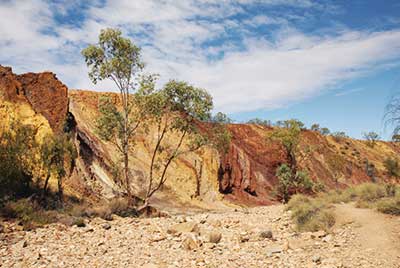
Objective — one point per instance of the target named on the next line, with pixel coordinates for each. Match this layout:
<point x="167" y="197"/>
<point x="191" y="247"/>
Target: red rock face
<point x="247" y="172"/>
<point x="47" y="95"/>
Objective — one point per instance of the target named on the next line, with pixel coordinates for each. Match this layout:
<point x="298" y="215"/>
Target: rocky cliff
<point x="205" y="179"/>
<point x="44" y="92"/>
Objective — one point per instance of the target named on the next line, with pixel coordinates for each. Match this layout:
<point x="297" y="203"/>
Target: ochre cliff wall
<point x="46" y="94"/>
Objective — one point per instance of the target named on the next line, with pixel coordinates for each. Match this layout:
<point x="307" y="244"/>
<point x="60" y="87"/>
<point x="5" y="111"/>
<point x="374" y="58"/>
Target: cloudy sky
<point x="332" y="62"/>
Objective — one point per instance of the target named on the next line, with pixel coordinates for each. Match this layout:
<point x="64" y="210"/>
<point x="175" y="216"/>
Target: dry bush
<point x="311" y="214"/>
<point x="389" y="205"/>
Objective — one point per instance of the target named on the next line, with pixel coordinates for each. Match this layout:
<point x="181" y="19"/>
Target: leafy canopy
<point x="114" y="57"/>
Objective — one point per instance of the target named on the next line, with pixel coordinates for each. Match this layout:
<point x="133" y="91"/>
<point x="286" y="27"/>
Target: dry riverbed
<point x="257" y="237"/>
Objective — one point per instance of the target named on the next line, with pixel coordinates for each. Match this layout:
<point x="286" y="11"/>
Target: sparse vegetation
<point x="392" y="166"/>
<point x="310" y="214"/>
<point x="371" y="138"/>
<point x="261" y="122"/>
<point x="116" y="58"/>
<point x="339" y="136"/>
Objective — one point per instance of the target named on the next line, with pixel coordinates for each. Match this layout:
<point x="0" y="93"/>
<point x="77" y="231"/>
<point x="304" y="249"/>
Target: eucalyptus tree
<point x="117" y="59"/>
<point x="177" y="109"/>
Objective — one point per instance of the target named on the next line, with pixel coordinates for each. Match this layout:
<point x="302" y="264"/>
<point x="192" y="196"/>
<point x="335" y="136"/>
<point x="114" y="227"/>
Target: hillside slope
<point x="245" y="175"/>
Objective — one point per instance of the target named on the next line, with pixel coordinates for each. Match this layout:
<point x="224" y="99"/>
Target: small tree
<point x="18" y="150"/>
<point x="315" y="127"/>
<point x="288" y="134"/>
<point x="116" y="58"/>
<point x="371" y="138"/>
<point x="325" y="131"/>
<point x="58" y="156"/>
<point x="261" y="122"/>
<point x="396" y="138"/>
<point x="176" y="109"/>
<point x="339" y="136"/>
<point x="220" y="137"/>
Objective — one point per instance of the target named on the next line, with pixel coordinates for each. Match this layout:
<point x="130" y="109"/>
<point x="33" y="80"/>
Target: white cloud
<point x="249" y="73"/>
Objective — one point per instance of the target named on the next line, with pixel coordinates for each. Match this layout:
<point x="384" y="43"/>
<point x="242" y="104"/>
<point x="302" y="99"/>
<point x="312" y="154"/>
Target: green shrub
<point x="311" y="214"/>
<point x="392" y="167"/>
<point x="29" y="213"/>
<point x="370" y="192"/>
<point x="389" y="205"/>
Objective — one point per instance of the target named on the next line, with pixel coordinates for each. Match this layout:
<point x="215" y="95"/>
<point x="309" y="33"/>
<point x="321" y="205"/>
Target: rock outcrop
<point x="245" y="175"/>
<point x="46" y="94"/>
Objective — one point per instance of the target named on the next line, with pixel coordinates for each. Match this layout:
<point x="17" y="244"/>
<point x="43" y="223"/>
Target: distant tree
<point x="221" y="118"/>
<point x="315" y="127"/>
<point x="289" y="123"/>
<point x="258" y="121"/>
<point x="177" y="108"/>
<point x="392" y="114"/>
<point x="325" y="131"/>
<point x="116" y="58"/>
<point x="58" y="156"/>
<point x="396" y="138"/>
<point x="371" y="138"/>
<point x="339" y="135"/>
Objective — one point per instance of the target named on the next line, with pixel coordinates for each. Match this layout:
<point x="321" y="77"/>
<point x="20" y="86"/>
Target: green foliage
<point x="389" y="206"/>
<point x="114" y="57"/>
<point x="118" y="59"/>
<point x="285" y="182"/>
<point x="288" y="184"/>
<point x="396" y="138"/>
<point x="220" y="137"/>
<point x="315" y="127"/>
<point x="18" y="150"/>
<point x="288" y="133"/>
<point x="311" y="214"/>
<point x="221" y="118"/>
<point x="261" y="122"/>
<point x="392" y="166"/>
<point x="325" y="131"/>
<point x="58" y="156"/>
<point x="371" y="138"/>
<point x="29" y="212"/>
<point x="176" y="108"/>
<point x="339" y="135"/>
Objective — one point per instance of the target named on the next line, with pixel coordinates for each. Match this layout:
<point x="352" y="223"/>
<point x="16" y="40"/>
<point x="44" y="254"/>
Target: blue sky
<point x="331" y="62"/>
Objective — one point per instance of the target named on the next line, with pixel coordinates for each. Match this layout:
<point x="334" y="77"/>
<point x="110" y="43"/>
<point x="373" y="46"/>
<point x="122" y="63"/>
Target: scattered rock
<point x="106" y="226"/>
<point x="190" y="242"/>
<point x="214" y="237"/>
<point x="1" y="228"/>
<point x="185" y="227"/>
<point x="274" y="250"/>
<point x="266" y="234"/>
<point x="316" y="259"/>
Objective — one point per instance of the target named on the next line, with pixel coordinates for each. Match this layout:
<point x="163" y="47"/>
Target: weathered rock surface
<point x="46" y="94"/>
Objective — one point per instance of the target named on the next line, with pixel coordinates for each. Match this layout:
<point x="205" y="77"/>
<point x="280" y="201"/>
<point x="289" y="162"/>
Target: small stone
<point x="185" y="227"/>
<point x="106" y="226"/>
<point x="316" y="259"/>
<point x="215" y="237"/>
<point x="190" y="242"/>
<point x="266" y="234"/>
<point x="1" y="228"/>
<point x="274" y="250"/>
